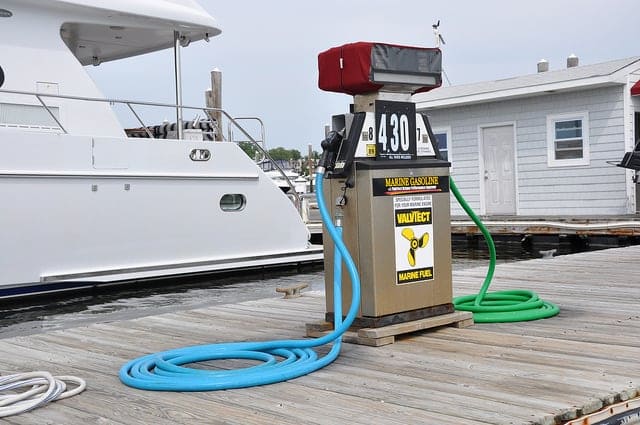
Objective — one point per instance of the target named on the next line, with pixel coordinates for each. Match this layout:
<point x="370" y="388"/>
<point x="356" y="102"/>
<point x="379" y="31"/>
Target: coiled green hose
<point x="516" y="305"/>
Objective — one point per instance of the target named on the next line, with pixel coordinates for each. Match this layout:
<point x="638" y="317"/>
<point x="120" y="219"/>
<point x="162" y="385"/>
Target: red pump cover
<point x="351" y="68"/>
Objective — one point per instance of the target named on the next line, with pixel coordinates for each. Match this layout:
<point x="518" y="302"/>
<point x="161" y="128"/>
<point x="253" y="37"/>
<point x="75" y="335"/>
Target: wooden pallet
<point x="376" y="337"/>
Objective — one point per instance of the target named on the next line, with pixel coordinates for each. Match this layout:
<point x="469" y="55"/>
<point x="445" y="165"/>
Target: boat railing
<point x="234" y="123"/>
<point x="263" y="155"/>
<point x="259" y="143"/>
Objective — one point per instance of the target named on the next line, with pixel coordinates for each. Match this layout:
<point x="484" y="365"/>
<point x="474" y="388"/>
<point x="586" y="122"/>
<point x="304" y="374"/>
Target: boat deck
<point x="540" y="372"/>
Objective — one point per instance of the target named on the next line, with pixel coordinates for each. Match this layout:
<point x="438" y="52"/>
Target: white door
<point x="499" y="170"/>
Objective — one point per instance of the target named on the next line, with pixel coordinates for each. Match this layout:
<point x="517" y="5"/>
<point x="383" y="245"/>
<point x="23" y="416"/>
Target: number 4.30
<point x="395" y="136"/>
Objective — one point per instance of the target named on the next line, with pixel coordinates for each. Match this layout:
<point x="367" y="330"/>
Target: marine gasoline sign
<point x="413" y="217"/>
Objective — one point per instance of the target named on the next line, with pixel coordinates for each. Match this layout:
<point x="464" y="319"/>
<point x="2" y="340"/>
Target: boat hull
<point x="78" y="208"/>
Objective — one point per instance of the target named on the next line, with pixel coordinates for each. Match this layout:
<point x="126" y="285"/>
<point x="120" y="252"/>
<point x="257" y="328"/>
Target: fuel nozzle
<point x="330" y="146"/>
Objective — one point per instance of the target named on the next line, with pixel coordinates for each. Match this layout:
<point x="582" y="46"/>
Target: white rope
<point x="42" y="389"/>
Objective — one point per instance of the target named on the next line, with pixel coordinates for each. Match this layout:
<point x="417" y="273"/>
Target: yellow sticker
<point x="371" y="149"/>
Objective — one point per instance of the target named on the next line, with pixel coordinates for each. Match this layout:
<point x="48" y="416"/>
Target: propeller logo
<point x="414" y="243"/>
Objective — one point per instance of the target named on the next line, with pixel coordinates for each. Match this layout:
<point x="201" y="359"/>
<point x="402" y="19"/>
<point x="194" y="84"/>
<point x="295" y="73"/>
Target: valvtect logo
<point x="414" y="244"/>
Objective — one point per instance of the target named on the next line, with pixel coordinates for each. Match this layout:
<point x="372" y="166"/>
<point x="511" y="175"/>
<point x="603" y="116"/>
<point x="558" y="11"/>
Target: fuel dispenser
<point x="387" y="183"/>
<point x="389" y="188"/>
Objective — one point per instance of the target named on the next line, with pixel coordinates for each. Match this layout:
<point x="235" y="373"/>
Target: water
<point x="118" y="303"/>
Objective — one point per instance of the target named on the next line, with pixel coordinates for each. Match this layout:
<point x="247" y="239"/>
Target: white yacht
<point x="83" y="203"/>
<point x="287" y="179"/>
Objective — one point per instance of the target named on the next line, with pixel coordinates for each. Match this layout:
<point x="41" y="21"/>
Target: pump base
<point x="385" y="335"/>
<point x="397" y="318"/>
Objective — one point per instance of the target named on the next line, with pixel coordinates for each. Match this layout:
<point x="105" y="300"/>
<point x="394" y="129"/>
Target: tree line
<point x="281" y="154"/>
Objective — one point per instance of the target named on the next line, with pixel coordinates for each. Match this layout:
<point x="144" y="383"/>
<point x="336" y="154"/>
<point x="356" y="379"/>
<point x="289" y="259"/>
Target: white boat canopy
<point x="104" y="30"/>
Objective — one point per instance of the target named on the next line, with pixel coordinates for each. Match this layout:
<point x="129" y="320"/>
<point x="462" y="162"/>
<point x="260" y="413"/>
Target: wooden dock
<point x="566" y="234"/>
<point x="617" y="225"/>
<point x="542" y="372"/>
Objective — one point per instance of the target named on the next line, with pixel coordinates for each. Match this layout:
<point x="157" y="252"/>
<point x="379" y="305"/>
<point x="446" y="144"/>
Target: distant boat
<point x="295" y="181"/>
<point x="83" y="204"/>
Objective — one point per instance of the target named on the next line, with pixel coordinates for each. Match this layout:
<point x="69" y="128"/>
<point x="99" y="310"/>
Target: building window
<point x="443" y="140"/>
<point x="568" y="139"/>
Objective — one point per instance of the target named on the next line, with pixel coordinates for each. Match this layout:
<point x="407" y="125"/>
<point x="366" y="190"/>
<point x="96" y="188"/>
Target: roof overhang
<point x="519" y="92"/>
<point x="103" y="30"/>
<point x="613" y="73"/>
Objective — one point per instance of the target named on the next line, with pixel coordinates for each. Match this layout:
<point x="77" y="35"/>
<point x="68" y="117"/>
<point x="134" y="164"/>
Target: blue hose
<point x="281" y="360"/>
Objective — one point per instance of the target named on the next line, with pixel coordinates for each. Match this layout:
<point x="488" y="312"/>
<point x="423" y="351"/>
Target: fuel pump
<point x="389" y="191"/>
<point x="388" y="183"/>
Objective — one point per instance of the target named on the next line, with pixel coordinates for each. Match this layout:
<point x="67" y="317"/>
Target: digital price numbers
<point x="395" y="130"/>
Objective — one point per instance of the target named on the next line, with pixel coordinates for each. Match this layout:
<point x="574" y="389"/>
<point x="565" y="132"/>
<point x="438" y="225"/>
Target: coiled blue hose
<point x="281" y="359"/>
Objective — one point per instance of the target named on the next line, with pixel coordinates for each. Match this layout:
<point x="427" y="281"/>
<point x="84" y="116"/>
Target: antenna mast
<point x="436" y="33"/>
<point x="440" y="42"/>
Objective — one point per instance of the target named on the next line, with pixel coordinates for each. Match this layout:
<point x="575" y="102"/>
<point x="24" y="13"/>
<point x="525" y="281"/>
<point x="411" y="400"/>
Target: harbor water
<point x="24" y="317"/>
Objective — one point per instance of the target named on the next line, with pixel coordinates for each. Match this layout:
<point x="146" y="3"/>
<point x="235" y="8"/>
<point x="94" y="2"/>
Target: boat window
<point x="233" y="202"/>
<point x="1" y="77"/>
<point x="31" y="116"/>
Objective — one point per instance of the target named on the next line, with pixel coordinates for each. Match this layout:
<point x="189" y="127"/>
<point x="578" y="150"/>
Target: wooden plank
<point x="354" y="338"/>
<point x="418" y="325"/>
<point x="446" y="397"/>
<point x="377" y="337"/>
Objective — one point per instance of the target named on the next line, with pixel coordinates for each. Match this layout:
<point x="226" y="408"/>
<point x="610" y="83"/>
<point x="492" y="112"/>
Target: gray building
<point x="542" y="145"/>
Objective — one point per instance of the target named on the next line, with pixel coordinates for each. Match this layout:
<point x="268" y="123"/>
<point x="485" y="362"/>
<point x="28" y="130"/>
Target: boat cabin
<point x="83" y="203"/>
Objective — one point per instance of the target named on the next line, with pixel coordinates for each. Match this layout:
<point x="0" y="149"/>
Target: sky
<point x="267" y="51"/>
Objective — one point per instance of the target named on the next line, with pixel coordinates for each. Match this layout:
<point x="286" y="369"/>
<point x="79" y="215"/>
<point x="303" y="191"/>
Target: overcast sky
<point x="268" y="51"/>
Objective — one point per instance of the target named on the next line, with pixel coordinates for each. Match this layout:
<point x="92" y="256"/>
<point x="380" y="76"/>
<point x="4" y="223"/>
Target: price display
<point x="395" y="130"/>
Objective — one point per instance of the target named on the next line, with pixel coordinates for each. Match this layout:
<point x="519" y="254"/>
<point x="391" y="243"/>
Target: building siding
<point x="595" y="189"/>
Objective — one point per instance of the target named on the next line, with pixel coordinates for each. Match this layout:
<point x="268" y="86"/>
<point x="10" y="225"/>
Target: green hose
<point x="516" y="305"/>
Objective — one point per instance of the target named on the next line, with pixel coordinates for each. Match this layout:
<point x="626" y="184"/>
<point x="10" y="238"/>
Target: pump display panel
<point x="395" y="130"/>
